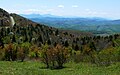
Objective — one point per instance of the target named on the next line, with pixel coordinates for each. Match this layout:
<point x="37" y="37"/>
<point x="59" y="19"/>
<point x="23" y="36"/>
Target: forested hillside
<point x="27" y="40"/>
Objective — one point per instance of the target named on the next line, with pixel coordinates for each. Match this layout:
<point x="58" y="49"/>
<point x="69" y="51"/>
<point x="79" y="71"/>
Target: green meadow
<point x="71" y="68"/>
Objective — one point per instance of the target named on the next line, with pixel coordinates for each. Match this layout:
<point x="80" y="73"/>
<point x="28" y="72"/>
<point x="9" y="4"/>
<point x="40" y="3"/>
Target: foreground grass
<point x="37" y="68"/>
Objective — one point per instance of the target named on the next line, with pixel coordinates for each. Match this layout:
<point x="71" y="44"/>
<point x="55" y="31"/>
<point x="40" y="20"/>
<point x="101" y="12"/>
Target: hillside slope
<point x="29" y="31"/>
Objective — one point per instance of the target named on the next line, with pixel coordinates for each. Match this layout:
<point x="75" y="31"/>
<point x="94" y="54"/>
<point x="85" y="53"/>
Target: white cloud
<point x="39" y="11"/>
<point x="44" y="6"/>
<point x="87" y="9"/>
<point x="14" y="11"/>
<point x="49" y="10"/>
<point x="94" y="13"/>
<point x="74" y="6"/>
<point x="31" y="11"/>
<point x="61" y="6"/>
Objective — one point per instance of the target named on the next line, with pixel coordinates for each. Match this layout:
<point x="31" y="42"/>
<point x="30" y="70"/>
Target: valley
<point x="97" y="26"/>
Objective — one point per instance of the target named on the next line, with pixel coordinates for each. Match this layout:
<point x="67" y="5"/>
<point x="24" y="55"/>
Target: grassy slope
<point x="35" y="68"/>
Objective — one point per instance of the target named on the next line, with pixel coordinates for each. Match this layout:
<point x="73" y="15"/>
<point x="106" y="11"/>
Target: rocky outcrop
<point x="4" y="18"/>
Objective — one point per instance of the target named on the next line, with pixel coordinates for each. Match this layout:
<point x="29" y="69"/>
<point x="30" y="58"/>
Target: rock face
<point x="12" y="21"/>
<point x="4" y="18"/>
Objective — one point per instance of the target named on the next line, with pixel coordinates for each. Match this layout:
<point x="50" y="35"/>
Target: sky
<point x="78" y="8"/>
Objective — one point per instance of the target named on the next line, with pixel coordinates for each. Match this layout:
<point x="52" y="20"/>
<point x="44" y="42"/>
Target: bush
<point x="23" y="51"/>
<point x="14" y="52"/>
<point x="10" y="52"/>
<point x="34" y="52"/>
<point x="87" y="54"/>
<point x="54" y="57"/>
<point x="108" y="56"/>
<point x="2" y="53"/>
<point x="60" y="54"/>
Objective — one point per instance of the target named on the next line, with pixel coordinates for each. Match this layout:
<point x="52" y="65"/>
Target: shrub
<point x="87" y="54"/>
<point x="54" y="57"/>
<point x="13" y="52"/>
<point x="109" y="56"/>
<point x="9" y="52"/>
<point x="23" y="51"/>
<point x="34" y="52"/>
<point x="44" y="55"/>
<point x="2" y="53"/>
<point x="61" y="55"/>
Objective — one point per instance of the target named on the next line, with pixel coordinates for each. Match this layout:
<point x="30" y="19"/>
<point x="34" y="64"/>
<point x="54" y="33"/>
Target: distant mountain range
<point x="38" y="15"/>
<point x="95" y="25"/>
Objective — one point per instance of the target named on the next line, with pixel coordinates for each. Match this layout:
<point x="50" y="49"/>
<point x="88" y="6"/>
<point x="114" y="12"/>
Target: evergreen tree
<point x="66" y="43"/>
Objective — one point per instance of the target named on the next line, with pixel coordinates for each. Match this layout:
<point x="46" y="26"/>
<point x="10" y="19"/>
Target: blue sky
<point x="81" y="8"/>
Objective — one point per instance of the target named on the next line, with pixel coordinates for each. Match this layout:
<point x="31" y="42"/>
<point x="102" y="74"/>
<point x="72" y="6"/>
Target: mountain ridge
<point x="56" y="16"/>
<point x="83" y="24"/>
